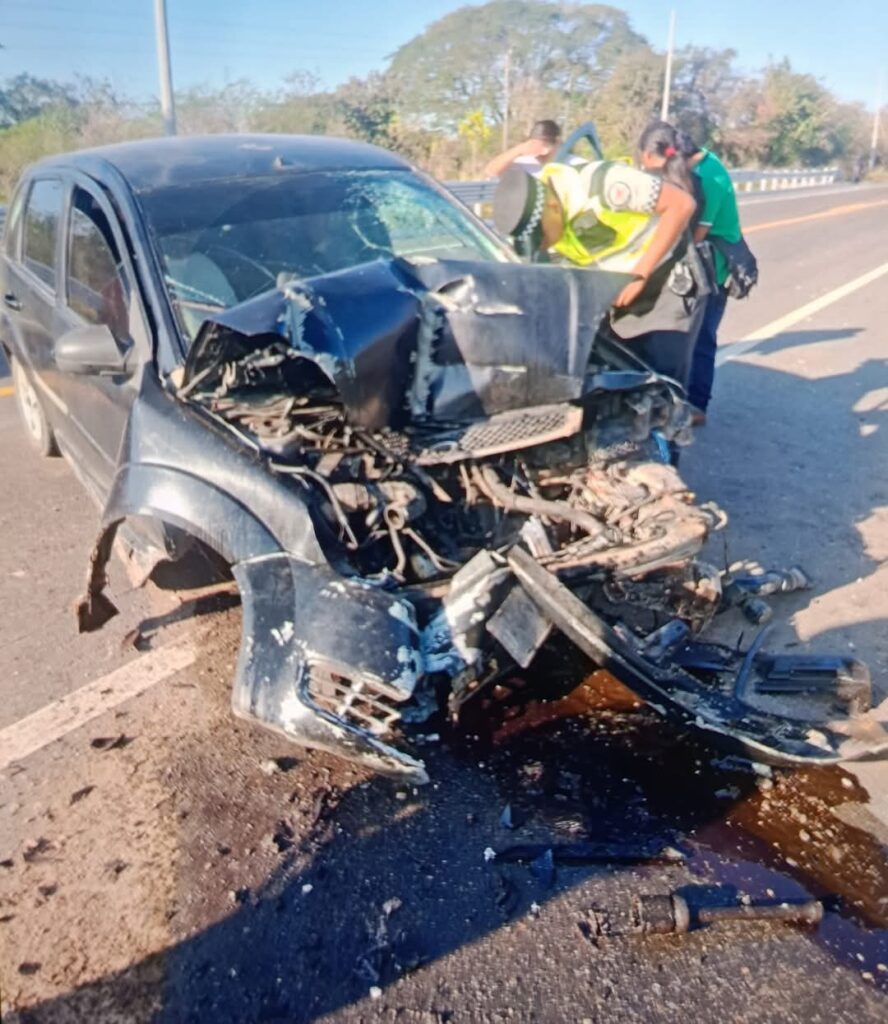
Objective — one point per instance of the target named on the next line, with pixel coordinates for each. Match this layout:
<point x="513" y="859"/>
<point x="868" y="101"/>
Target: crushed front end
<point x="483" y="470"/>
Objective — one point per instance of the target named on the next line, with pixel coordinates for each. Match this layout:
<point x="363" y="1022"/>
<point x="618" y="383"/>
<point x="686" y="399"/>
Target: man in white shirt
<point x="529" y="155"/>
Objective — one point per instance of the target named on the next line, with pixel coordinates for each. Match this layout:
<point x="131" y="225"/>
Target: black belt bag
<point x="742" y="266"/>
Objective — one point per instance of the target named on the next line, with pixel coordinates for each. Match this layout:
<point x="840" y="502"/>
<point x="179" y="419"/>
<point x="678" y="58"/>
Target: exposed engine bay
<point x="485" y="472"/>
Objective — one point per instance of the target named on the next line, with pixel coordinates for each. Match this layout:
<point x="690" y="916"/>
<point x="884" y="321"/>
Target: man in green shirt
<point x="719" y="219"/>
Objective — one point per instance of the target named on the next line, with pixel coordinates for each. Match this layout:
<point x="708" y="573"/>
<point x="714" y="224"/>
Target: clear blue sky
<point x="213" y="41"/>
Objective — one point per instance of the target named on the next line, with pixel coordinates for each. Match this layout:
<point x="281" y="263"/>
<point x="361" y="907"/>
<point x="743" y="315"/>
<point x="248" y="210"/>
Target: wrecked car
<point x="422" y="459"/>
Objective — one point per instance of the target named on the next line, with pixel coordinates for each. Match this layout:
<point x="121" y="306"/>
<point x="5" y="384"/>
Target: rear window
<point x="223" y="242"/>
<point x="43" y="215"/>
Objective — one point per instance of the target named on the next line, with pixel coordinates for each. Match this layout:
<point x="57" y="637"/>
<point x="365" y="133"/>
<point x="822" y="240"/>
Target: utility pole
<point x="507" y="74"/>
<point x="874" y="143"/>
<point x="667" y="82"/>
<point x="167" y="104"/>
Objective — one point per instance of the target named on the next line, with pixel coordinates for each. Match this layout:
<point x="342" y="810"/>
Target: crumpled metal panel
<point x="446" y="340"/>
<point x="500" y="336"/>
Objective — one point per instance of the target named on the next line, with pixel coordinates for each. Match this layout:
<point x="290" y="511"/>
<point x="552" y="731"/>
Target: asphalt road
<point x="166" y="862"/>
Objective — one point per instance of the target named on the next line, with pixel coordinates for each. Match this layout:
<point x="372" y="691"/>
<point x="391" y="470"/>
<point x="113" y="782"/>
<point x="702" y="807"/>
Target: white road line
<point x="76" y="709"/>
<point x="735" y="349"/>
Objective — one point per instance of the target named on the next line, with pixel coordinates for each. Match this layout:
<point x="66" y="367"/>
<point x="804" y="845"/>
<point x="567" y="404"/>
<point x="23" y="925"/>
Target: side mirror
<point x="91" y="349"/>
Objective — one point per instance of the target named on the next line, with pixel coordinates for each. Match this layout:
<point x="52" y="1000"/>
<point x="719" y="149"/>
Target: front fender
<point x="200" y="508"/>
<point x="179" y="499"/>
<point x="326" y="661"/>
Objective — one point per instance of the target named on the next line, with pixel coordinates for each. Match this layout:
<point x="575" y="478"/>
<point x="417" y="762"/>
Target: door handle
<point x="11" y="301"/>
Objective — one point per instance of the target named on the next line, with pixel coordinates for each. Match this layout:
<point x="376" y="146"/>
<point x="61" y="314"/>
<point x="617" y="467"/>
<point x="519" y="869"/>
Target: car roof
<point x="185" y="160"/>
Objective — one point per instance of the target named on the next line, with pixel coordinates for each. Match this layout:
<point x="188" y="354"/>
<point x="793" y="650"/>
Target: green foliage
<point x="628" y="102"/>
<point x="563" y="50"/>
<point x="301" y="108"/>
<point x="799" y="115"/>
<point x="441" y="102"/>
<point x="703" y="81"/>
<point x="367" y="109"/>
<point x="25" y="96"/>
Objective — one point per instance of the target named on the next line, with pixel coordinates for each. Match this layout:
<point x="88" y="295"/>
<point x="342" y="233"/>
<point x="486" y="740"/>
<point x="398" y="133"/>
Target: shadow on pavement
<point x="795" y="339"/>
<point x="795" y="461"/>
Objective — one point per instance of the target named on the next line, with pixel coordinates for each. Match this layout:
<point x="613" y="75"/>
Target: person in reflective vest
<point x="611" y="216"/>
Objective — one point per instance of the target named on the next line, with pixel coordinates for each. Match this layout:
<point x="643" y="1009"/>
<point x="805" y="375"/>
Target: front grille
<point x="505" y="432"/>
<point x="366" y="703"/>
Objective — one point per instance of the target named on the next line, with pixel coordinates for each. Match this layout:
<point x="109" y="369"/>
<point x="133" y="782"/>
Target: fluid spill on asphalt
<point x="596" y="764"/>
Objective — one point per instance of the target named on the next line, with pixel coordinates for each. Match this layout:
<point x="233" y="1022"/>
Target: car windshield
<point x="223" y="242"/>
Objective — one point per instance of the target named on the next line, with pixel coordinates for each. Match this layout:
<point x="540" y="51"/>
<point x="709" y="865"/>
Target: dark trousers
<point x="703" y="362"/>
<point x="667" y="352"/>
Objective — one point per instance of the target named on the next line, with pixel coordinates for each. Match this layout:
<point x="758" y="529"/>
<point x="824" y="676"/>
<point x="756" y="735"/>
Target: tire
<point x="31" y="412"/>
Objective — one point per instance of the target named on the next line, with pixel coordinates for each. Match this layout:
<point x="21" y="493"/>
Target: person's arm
<point x="700" y="232"/>
<point x="530" y="147"/>
<point x="675" y="208"/>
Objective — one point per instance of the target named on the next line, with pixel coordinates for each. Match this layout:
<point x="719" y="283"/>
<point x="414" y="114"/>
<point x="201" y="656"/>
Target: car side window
<point x="97" y="286"/>
<point x="42" y="217"/>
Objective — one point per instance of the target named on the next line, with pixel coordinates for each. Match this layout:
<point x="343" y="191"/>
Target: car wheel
<point x="31" y="411"/>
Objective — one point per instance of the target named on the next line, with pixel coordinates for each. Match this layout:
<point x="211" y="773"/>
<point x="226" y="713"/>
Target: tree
<point x="556" y="53"/>
<point x="26" y="96"/>
<point x="743" y="139"/>
<point x="204" y="109"/>
<point x="301" y="107"/>
<point x="703" y="83"/>
<point x="800" y="116"/>
<point x="366" y="108"/>
<point x="629" y="101"/>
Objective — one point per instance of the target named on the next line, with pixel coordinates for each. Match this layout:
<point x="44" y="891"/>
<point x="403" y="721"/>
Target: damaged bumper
<point x="346" y="689"/>
<point x="721" y="706"/>
<point x="339" y="688"/>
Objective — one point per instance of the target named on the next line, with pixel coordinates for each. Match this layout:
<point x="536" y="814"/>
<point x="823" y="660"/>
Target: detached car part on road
<point x="418" y="454"/>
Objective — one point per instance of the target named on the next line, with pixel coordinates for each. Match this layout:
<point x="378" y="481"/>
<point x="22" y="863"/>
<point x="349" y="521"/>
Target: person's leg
<point x="703" y="362"/>
<point x="667" y="352"/>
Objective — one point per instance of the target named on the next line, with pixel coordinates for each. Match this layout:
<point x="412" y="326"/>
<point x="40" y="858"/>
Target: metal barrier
<point x="477" y="193"/>
<point x="801" y="177"/>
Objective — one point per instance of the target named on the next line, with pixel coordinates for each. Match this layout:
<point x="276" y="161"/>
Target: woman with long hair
<point x="663" y="330"/>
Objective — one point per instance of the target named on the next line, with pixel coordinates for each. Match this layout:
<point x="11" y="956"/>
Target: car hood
<point x="439" y="340"/>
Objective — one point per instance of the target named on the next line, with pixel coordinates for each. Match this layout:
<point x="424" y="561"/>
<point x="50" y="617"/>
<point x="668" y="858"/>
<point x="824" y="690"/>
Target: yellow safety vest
<point x="593" y="233"/>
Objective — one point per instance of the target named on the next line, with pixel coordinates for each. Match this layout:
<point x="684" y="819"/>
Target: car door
<point x="99" y="291"/>
<point x="30" y="287"/>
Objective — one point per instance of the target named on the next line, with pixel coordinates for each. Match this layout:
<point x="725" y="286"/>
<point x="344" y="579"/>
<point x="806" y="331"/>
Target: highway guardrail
<point x="477" y="193"/>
